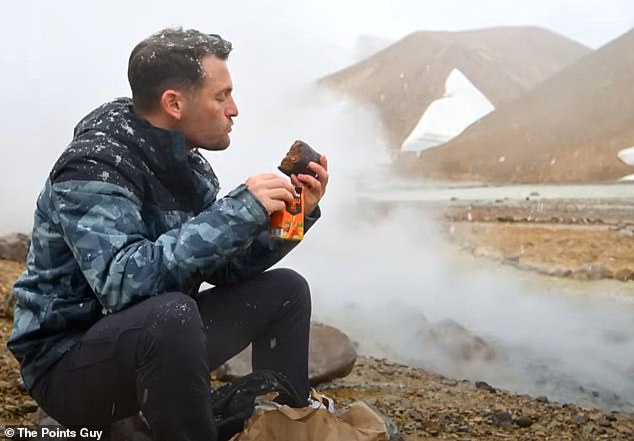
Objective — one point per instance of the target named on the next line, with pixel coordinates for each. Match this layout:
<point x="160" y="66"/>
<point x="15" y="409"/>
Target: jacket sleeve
<point x="260" y="255"/>
<point x="104" y="227"/>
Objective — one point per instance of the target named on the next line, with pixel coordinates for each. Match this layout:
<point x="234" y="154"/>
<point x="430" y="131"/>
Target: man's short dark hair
<point x="170" y="59"/>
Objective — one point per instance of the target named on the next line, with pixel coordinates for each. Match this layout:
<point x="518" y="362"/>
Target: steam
<point x="387" y="276"/>
<point x="384" y="278"/>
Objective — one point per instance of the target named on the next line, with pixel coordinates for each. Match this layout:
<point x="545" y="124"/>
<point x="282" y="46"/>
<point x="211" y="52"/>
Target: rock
<point x="512" y="258"/>
<point x="599" y="430"/>
<point x="463" y="428"/>
<point x="559" y="272"/>
<point x="542" y="399"/>
<point x="415" y="415"/>
<point x="28" y="406"/>
<point x="458" y="342"/>
<point x="596" y="415"/>
<point x="15" y="247"/>
<point x="624" y="274"/>
<point x="432" y="427"/>
<point x="499" y="407"/>
<point x="524" y="421"/>
<point x="484" y="386"/>
<point x="611" y="417"/>
<point x="597" y="270"/>
<point x="331" y="355"/>
<point x="579" y="419"/>
<point x="503" y="419"/>
<point x="21" y="385"/>
<point x="624" y="430"/>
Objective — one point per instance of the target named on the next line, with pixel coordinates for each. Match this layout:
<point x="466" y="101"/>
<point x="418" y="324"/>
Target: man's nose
<point x="232" y="108"/>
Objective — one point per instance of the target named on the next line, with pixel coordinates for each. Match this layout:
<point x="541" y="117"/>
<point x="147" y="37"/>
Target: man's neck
<point x="155" y="119"/>
<point x="160" y="121"/>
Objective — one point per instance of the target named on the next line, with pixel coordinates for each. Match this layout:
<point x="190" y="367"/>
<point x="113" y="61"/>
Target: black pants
<point x="156" y="355"/>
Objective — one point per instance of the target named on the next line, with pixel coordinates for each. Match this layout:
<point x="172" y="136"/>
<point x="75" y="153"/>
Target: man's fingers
<point x="266" y="177"/>
<point x="276" y="181"/>
<point x="276" y="205"/>
<point x="310" y="182"/>
<point x="269" y="181"/>
<point x="283" y="183"/>
<point x="282" y="194"/>
<point x="324" y="162"/>
<point x="320" y="171"/>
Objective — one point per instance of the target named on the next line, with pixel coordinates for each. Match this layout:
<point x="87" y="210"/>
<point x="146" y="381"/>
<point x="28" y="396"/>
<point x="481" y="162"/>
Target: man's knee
<point x="293" y="284"/>
<point x="174" y="312"/>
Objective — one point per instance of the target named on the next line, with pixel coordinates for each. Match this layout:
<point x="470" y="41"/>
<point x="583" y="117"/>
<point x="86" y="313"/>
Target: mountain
<point x="568" y="129"/>
<point x="402" y="80"/>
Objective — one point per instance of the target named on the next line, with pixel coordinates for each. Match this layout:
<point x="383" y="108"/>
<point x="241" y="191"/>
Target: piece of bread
<point x="297" y="159"/>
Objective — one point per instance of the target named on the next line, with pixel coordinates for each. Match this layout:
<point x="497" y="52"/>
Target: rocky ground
<point x="15" y="405"/>
<point x="565" y="239"/>
<point x="427" y="406"/>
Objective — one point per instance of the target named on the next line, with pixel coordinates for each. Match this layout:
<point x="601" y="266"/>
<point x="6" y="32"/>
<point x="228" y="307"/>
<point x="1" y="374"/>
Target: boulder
<point x="15" y="247"/>
<point x="331" y="354"/>
<point x="460" y="344"/>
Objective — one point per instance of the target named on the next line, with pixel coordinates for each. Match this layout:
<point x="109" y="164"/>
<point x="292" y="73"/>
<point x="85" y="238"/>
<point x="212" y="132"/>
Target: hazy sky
<point x="591" y="22"/>
<point x="60" y="59"/>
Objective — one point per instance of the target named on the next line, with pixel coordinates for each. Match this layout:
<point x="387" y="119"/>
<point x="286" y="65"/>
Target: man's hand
<point x="273" y="191"/>
<point x="314" y="188"/>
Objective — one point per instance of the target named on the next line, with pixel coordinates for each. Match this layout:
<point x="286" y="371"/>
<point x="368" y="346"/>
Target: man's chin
<point x="216" y="146"/>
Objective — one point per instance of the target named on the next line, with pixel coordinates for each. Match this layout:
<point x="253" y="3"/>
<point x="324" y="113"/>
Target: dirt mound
<point x="403" y="79"/>
<point x="567" y="129"/>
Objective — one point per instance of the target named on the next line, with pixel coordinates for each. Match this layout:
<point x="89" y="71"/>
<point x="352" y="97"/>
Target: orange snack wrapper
<point x="288" y="224"/>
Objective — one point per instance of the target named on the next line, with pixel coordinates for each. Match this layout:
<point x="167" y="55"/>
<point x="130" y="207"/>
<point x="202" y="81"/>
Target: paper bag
<point x="273" y="422"/>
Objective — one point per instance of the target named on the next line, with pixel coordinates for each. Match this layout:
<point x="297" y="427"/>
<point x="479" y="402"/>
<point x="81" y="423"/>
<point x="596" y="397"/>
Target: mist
<point x="379" y="278"/>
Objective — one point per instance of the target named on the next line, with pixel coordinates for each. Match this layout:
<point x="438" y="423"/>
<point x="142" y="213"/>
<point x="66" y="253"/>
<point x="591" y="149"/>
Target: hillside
<point x="402" y="80"/>
<point x="567" y="129"/>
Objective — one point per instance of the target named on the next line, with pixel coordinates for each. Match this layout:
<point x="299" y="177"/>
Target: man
<point x="108" y="318"/>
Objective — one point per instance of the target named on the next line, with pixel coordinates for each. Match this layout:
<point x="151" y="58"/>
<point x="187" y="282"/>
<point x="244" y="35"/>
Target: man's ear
<point x="172" y="103"/>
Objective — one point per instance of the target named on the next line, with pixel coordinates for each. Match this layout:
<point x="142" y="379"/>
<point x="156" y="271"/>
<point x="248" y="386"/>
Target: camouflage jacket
<point x="128" y="212"/>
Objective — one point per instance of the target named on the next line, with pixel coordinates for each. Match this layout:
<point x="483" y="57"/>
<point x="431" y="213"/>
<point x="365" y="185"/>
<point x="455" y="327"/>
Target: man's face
<point x="207" y="115"/>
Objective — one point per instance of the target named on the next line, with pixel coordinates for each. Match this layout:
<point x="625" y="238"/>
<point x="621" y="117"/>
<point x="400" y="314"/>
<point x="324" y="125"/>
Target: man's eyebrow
<point x="227" y="89"/>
